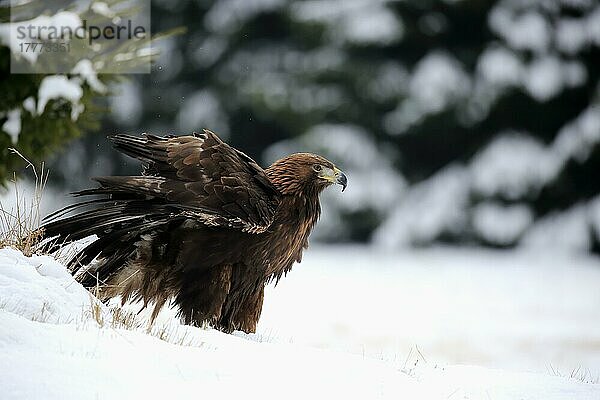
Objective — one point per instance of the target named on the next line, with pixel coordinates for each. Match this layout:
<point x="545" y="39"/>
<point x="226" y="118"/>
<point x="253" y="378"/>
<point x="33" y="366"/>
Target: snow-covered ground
<point x="346" y="323"/>
<point x="518" y="310"/>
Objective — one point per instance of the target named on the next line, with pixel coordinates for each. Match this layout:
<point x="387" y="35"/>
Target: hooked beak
<point x="334" y="175"/>
<point x="340" y="179"/>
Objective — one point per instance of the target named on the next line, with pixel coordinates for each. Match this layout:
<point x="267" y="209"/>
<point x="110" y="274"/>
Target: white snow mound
<point x="74" y="359"/>
<point x="39" y="288"/>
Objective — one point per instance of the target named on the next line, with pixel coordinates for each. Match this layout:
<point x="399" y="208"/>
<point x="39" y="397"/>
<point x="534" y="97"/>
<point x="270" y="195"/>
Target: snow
<point x="388" y="82"/>
<point x="228" y="15"/>
<point x="499" y="224"/>
<point x="442" y="301"/>
<point x="515" y="310"/>
<point x="12" y="125"/>
<point x="567" y="230"/>
<point x="169" y="60"/>
<point x="491" y="384"/>
<point x="526" y="27"/>
<point x="528" y="31"/>
<point x="202" y="109"/>
<point x="500" y="66"/>
<point x="329" y="11"/>
<point x="24" y="192"/>
<point x="429" y="209"/>
<point x="547" y="76"/>
<point x="207" y="52"/>
<point x="594" y="214"/>
<point x="571" y="35"/>
<point x="544" y="78"/>
<point x="9" y="31"/>
<point x="352" y="21"/>
<point x="276" y="77"/>
<point x="512" y="165"/>
<point x="578" y="137"/>
<point x="84" y="366"/>
<point x="85" y="69"/>
<point x="438" y="81"/>
<point x="147" y="52"/>
<point x="578" y="4"/>
<point x="124" y="57"/>
<point x="593" y="26"/>
<point x="574" y="34"/>
<point x="59" y="86"/>
<point x="101" y="8"/>
<point x="306" y="98"/>
<point x="438" y="78"/>
<point x="39" y="288"/>
<point x="29" y="105"/>
<point x="373" y="25"/>
<point x="125" y="105"/>
<point x="574" y="74"/>
<point x="340" y="141"/>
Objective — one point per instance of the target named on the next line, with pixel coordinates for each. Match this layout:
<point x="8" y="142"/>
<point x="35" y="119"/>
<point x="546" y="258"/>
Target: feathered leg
<point x="246" y="315"/>
<point x="243" y="304"/>
<point x="201" y="297"/>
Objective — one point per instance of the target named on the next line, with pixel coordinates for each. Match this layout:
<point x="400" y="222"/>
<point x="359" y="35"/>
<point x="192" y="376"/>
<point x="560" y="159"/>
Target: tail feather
<point x="114" y="250"/>
<point x="148" y="148"/>
<point x="70" y="208"/>
<point x="118" y="226"/>
<point x="85" y="224"/>
<point x="141" y="185"/>
<point x="119" y="213"/>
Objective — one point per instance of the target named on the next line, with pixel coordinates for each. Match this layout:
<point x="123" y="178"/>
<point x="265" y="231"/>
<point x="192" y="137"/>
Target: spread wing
<point x="202" y="176"/>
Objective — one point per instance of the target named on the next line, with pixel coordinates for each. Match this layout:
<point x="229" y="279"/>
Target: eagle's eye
<point x="317" y="168"/>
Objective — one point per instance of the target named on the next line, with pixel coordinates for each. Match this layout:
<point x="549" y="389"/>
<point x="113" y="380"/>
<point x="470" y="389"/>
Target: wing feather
<point x="202" y="175"/>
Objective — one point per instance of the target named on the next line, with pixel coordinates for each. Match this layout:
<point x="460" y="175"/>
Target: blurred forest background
<point x="460" y="121"/>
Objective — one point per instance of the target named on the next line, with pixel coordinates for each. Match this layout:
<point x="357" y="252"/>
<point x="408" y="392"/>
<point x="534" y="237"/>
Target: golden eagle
<point x="203" y="224"/>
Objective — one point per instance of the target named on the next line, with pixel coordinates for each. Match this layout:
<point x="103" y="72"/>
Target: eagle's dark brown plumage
<point x="203" y="225"/>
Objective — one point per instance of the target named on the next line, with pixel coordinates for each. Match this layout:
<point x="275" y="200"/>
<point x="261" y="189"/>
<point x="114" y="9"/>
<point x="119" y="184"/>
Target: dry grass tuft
<point x="118" y="318"/>
<point x="580" y="374"/>
<point x="96" y="312"/>
<point x="19" y="224"/>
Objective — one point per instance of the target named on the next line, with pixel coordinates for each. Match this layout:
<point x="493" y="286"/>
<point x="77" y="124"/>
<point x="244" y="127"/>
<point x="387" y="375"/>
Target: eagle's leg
<point x="202" y="296"/>
<point x="249" y="313"/>
<point x="242" y="310"/>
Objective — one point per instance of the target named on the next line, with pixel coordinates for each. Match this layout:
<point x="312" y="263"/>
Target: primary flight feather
<point x="203" y="225"/>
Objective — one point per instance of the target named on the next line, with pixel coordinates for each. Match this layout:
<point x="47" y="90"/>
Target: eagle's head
<point x="305" y="173"/>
